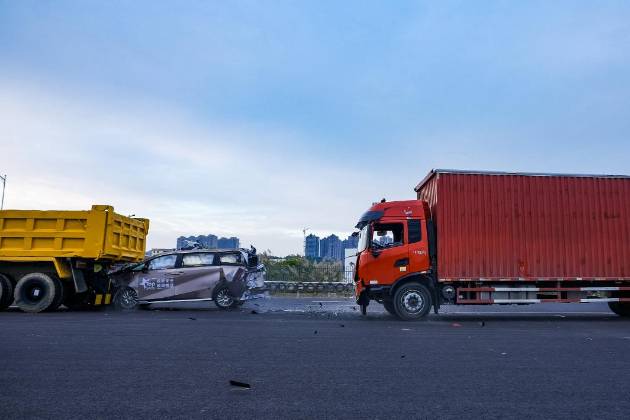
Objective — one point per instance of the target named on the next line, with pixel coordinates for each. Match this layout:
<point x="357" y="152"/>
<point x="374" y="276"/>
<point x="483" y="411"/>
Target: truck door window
<point x="198" y="260"/>
<point x="415" y="231"/>
<point x="387" y="235"/>
<point x="163" y="263"/>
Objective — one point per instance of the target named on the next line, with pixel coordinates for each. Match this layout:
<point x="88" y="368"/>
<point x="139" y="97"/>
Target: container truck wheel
<point x="620" y="308"/>
<point x="6" y="292"/>
<point x="412" y="301"/>
<point x="36" y="292"/>
<point x="389" y="307"/>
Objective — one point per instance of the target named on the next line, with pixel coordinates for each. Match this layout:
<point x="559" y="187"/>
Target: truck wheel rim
<point x="224" y="298"/>
<point x="413" y="301"/>
<point x="129" y="299"/>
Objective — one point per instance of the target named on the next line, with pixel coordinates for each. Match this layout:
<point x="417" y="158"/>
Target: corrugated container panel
<point x="511" y="226"/>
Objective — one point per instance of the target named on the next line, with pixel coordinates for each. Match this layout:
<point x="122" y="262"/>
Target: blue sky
<point x="259" y="118"/>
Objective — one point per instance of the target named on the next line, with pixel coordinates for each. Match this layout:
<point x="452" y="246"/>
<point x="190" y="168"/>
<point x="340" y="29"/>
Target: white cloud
<point x="63" y="150"/>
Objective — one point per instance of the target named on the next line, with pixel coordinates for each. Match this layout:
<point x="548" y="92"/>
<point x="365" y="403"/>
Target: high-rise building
<point x="351" y="242"/>
<point x="331" y="248"/>
<point x="208" y="241"/>
<point x="229" y="243"/>
<point x="311" y="246"/>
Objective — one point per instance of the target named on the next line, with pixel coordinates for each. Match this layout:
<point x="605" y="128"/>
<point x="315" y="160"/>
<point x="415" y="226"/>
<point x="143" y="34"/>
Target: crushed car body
<point x="227" y="277"/>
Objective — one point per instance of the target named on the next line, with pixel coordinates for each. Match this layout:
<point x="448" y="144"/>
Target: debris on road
<point x="254" y="312"/>
<point x="238" y="384"/>
<point x="192" y="319"/>
<point x="456" y="325"/>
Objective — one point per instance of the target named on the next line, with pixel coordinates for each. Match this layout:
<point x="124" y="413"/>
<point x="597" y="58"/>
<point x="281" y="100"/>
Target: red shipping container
<point x="518" y="226"/>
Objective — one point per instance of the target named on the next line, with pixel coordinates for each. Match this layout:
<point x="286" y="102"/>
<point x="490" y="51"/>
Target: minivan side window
<point x="163" y="263"/>
<point x="228" y="259"/>
<point x="198" y="260"/>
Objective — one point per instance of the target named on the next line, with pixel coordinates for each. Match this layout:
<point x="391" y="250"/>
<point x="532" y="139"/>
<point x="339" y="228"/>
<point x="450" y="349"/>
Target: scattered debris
<point x="456" y="325"/>
<point x="503" y="354"/>
<point x="482" y="324"/>
<point x="254" y="312"/>
<point x="405" y="329"/>
<point x="402" y="356"/>
<point x="560" y="316"/>
<point x="589" y="338"/>
<point x="192" y="319"/>
<point x="321" y="305"/>
<point x="341" y="325"/>
<point x="315" y="332"/>
<point x="238" y="384"/>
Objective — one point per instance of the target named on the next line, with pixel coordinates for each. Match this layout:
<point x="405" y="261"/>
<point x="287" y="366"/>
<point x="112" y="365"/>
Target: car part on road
<point x="223" y="299"/>
<point x="126" y="299"/>
<point x="6" y="292"/>
<point x="36" y="292"/>
<point x="412" y="301"/>
<point x="620" y="308"/>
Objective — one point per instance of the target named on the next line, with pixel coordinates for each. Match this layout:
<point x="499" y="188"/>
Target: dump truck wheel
<point x="6" y="292"/>
<point x="59" y="292"/>
<point x="620" y="308"/>
<point x="224" y="299"/>
<point x="389" y="307"/>
<point x="35" y="292"/>
<point x="412" y="301"/>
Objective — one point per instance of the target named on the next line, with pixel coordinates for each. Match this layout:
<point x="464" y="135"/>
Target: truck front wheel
<point x="36" y="292"/>
<point x="412" y="301"/>
<point x="620" y="308"/>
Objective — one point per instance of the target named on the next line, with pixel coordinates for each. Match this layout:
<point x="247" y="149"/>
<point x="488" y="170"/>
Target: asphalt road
<point x="316" y="358"/>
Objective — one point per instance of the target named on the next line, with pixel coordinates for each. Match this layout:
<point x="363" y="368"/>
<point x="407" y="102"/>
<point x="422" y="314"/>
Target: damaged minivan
<point x="227" y="277"/>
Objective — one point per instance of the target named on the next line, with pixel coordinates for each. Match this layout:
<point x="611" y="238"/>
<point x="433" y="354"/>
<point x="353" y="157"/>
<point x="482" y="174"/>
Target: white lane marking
<point x="524" y="313"/>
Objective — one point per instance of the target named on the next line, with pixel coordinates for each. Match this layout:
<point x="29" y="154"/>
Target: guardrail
<point x="312" y="287"/>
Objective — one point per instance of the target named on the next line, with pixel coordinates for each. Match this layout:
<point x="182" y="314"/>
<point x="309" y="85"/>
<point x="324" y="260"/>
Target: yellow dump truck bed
<point x="98" y="234"/>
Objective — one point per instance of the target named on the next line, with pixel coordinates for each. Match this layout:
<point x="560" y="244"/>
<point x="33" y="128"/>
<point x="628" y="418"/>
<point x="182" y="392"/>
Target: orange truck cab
<point x="395" y="259"/>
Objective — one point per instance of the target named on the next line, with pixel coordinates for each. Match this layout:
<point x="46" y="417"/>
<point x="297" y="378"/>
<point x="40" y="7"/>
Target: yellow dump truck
<point x="52" y="257"/>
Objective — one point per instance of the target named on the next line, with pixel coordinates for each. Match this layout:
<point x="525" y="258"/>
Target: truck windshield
<point x="363" y="239"/>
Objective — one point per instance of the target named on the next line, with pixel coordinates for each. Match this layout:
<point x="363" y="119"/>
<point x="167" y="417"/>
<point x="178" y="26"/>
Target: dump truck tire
<point x="412" y="301"/>
<point x="620" y="308"/>
<point x="59" y="291"/>
<point x="35" y="292"/>
<point x="6" y="292"/>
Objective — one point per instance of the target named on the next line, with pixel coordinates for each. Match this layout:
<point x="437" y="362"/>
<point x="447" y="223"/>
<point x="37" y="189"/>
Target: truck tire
<point x="620" y="308"/>
<point x="412" y="301"/>
<point x="36" y="292"/>
<point x="125" y="299"/>
<point x="6" y="292"/>
<point x="389" y="307"/>
<point x="223" y="298"/>
<point x="59" y="291"/>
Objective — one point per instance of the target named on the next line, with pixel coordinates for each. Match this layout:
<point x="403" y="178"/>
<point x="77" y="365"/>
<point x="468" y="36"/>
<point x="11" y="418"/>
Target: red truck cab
<point x="394" y="259"/>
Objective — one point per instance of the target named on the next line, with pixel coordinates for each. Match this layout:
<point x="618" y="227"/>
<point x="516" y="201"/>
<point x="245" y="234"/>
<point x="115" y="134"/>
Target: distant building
<point x="351" y="242"/>
<point x="156" y="251"/>
<point x="331" y="248"/>
<point x="229" y="243"/>
<point x="208" y="241"/>
<point x="311" y="246"/>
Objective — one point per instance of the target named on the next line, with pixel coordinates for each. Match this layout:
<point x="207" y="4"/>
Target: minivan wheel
<point x="620" y="308"/>
<point x="6" y="292"/>
<point x="36" y="292"/>
<point x="125" y="299"/>
<point x="224" y="299"/>
<point x="412" y="301"/>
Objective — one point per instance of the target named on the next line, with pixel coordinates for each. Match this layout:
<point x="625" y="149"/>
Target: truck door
<point x="387" y="258"/>
<point x="418" y="240"/>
